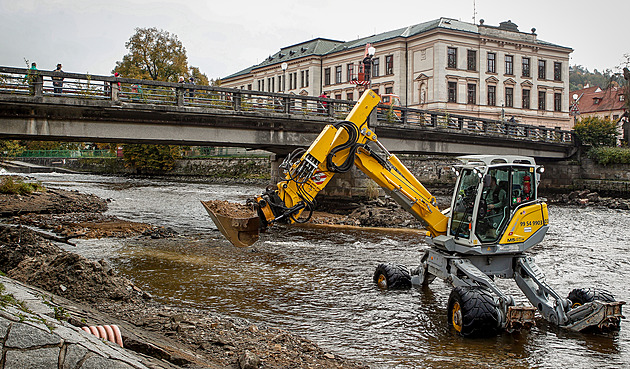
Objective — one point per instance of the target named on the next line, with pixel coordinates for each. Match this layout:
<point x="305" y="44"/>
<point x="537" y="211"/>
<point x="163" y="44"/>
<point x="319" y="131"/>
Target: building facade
<point x="607" y="103"/>
<point x="494" y="72"/>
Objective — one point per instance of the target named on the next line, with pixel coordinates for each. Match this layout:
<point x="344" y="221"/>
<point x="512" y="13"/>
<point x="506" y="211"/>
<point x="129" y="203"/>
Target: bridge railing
<point x="40" y="83"/>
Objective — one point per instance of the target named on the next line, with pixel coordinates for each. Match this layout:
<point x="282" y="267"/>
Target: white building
<point x="444" y="64"/>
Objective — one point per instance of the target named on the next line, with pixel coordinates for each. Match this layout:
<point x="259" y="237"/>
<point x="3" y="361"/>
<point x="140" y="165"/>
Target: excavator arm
<point x="337" y="148"/>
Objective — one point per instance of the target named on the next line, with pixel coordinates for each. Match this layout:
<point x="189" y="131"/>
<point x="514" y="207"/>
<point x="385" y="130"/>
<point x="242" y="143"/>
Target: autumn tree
<point x="153" y="54"/>
<point x="151" y="159"/>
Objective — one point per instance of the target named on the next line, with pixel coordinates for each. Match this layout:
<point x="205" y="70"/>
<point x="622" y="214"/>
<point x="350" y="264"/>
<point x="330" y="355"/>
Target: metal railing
<point x="21" y="81"/>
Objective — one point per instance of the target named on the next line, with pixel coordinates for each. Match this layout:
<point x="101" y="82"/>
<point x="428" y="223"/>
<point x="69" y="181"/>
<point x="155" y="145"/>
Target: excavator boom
<point x="337" y="149"/>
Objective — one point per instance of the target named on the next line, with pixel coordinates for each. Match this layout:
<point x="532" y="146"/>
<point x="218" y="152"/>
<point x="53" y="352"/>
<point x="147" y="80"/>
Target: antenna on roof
<point x="474" y="12"/>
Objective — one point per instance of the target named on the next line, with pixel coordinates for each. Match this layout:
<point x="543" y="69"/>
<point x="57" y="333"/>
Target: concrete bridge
<point x="122" y="110"/>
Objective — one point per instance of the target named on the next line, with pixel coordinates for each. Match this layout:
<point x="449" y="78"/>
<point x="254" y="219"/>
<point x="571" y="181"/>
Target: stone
<point x="248" y="360"/>
<point x="42" y="358"/>
<point x="4" y="327"/>
<point x="74" y="354"/>
<point x="24" y="336"/>
<point x="99" y="362"/>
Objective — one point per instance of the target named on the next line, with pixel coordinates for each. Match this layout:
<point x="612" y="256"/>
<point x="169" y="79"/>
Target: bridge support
<point x="350" y="186"/>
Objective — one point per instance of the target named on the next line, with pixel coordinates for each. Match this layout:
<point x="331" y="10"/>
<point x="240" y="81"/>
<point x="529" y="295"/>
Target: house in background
<point x="494" y="72"/>
<point x="607" y="103"/>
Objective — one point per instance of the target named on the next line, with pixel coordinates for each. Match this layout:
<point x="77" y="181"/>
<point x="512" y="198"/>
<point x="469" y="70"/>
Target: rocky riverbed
<point x="169" y="335"/>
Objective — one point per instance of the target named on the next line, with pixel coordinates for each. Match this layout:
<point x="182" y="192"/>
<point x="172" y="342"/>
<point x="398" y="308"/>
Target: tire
<point x="473" y="312"/>
<point x="392" y="276"/>
<point x="581" y="296"/>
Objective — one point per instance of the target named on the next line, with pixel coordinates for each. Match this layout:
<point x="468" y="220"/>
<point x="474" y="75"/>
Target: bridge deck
<point x="111" y="109"/>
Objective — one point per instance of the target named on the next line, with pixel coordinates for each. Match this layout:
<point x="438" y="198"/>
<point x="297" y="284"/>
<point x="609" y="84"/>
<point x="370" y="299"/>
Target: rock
<point x="593" y="197"/>
<point x="248" y="360"/>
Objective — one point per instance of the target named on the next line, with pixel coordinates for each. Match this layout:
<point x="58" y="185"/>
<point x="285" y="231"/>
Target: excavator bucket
<point x="240" y="230"/>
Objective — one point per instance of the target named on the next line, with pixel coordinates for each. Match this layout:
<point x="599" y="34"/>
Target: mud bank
<point x="91" y="293"/>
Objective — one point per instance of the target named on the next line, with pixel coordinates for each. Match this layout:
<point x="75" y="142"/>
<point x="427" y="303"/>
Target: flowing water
<point x="318" y="283"/>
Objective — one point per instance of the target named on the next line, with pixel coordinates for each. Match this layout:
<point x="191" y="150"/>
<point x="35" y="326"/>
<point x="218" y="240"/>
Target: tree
<point x="10" y="148"/>
<point x="200" y="78"/>
<point x="596" y="132"/>
<point x="153" y="54"/>
<point x="151" y="159"/>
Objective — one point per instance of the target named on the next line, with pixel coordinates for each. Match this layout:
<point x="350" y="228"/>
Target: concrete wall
<point x="434" y="172"/>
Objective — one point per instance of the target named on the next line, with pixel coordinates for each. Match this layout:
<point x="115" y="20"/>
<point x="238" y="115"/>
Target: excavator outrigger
<point x="495" y="216"/>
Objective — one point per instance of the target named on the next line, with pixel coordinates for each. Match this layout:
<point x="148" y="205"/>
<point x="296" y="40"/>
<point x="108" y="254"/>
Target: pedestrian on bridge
<point x="58" y="80"/>
<point x="191" y="91"/>
<point x="31" y="77"/>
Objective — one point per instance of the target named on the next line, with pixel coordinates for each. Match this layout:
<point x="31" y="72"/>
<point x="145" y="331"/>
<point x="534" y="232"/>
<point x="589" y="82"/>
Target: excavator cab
<point x="490" y="191"/>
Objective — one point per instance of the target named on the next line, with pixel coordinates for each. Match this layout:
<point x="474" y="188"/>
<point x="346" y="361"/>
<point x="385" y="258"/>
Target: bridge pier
<point x="349" y="186"/>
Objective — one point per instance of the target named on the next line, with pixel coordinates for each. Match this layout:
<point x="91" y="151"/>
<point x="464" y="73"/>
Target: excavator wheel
<point x="473" y="312"/>
<point x="392" y="276"/>
<point x="581" y="296"/>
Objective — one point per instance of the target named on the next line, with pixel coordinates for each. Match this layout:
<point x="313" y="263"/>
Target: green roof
<point x="322" y="46"/>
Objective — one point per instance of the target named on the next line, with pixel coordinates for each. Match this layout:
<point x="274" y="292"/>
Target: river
<point x="318" y="283"/>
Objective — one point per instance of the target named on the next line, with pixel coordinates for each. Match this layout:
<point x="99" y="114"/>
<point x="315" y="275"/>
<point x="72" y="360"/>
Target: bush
<point x="9" y="185"/>
<point x="610" y="155"/>
<point x="596" y="132"/>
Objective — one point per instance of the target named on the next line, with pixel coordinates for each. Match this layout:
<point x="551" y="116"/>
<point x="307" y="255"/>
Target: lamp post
<point x="575" y="110"/>
<point x="367" y="65"/>
<point x="284" y="67"/>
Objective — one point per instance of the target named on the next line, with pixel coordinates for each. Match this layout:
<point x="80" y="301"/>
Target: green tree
<point x="153" y="54"/>
<point x="10" y="148"/>
<point x="200" y="78"/>
<point x="151" y="159"/>
<point x="596" y="132"/>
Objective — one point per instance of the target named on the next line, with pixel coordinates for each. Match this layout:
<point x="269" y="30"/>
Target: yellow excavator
<point x="495" y="216"/>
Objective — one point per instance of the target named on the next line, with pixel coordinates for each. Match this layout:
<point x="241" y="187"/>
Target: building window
<point x="307" y="83"/>
<point x="557" y="101"/>
<point x="526" y="98"/>
<point x="542" y="96"/>
<point x="509" y="97"/>
<point x="295" y="80"/>
<point x="349" y="96"/>
<point x="472" y="93"/>
<point x="542" y="69"/>
<point x="526" y="68"/>
<point x="350" y="72"/>
<point x="452" y="92"/>
<point x="492" y="95"/>
<point x="262" y="85"/>
<point x="375" y="67"/>
<point x="557" y="71"/>
<point x="451" y="61"/>
<point x="249" y="86"/>
<point x="389" y="90"/>
<point x="338" y="96"/>
<point x="338" y="74"/>
<point x="301" y="79"/>
<point x="492" y="63"/>
<point x="326" y="76"/>
<point x="472" y="60"/>
<point x="389" y="64"/>
<point x="509" y="64"/>
<point x="290" y="81"/>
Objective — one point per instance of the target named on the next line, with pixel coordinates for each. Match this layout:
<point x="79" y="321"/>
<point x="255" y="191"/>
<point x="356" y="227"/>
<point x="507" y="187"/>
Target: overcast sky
<point x="223" y="37"/>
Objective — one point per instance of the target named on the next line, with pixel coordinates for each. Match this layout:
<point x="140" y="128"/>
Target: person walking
<point x="58" y="80"/>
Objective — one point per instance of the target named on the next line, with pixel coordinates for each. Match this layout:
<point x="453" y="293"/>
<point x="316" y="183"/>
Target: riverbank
<point x="160" y="335"/>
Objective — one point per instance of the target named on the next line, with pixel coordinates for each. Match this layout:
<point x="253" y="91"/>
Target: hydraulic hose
<point x="351" y="143"/>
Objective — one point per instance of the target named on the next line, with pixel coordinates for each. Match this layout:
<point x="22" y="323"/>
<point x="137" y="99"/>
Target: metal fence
<point x="198" y="152"/>
<point x="133" y="91"/>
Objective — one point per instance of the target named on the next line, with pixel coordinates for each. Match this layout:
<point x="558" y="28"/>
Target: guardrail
<point x="134" y="91"/>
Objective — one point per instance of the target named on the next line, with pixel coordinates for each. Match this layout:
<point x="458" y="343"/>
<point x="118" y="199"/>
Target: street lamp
<point x="284" y="67"/>
<point x="367" y="65"/>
